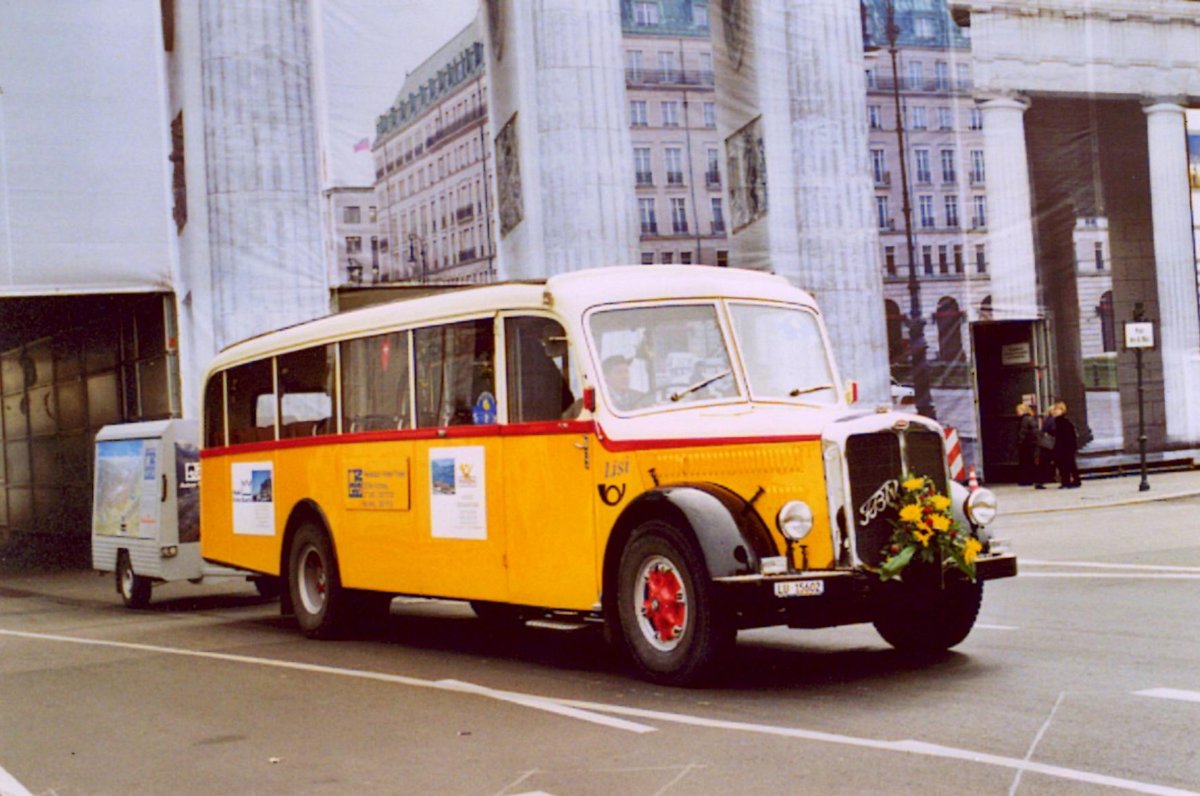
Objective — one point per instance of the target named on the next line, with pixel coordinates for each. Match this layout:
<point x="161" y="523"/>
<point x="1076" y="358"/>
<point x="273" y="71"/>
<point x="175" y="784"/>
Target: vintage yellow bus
<point x="667" y="450"/>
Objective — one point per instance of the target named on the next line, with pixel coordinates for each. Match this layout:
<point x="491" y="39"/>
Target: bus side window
<point x="251" y="402"/>
<point x="214" y="411"/>
<point x="306" y="393"/>
<point x="375" y="383"/>
<point x="455" y="369"/>
<point x="538" y="368"/>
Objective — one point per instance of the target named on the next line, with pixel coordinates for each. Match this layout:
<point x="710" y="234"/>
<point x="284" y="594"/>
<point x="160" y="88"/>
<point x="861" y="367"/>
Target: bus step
<point x="557" y="624"/>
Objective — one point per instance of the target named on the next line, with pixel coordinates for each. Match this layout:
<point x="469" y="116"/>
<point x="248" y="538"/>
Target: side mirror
<point x="852" y="392"/>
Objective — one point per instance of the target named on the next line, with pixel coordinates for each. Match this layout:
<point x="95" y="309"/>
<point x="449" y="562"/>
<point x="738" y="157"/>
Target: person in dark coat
<point x="1045" y="452"/>
<point x="1027" y="445"/>
<point x="1066" y="443"/>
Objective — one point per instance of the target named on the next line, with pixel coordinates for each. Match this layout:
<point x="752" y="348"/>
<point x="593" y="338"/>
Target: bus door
<point x="548" y="470"/>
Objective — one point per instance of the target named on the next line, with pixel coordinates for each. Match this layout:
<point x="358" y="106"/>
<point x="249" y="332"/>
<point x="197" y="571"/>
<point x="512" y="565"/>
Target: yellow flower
<point x="940" y="522"/>
<point x="910" y="513"/>
<point x="913" y="484"/>
<point x="923" y="537"/>
<point x="971" y="550"/>
<point x="940" y="502"/>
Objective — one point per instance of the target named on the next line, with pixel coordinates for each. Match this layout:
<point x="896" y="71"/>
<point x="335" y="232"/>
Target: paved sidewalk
<point x="1096" y="493"/>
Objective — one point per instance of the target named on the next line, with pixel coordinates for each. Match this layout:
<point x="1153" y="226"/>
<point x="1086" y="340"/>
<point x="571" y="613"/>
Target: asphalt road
<point x="1082" y="676"/>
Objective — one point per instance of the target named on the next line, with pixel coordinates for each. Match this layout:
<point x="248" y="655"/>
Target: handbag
<point x="1046" y="441"/>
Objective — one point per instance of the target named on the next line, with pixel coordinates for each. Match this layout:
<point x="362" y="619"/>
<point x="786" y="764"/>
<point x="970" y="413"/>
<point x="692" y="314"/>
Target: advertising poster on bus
<point x="253" y="498"/>
<point x="458" y="497"/>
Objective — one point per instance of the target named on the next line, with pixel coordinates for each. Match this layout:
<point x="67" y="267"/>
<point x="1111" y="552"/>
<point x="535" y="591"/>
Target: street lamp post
<point x="916" y="324"/>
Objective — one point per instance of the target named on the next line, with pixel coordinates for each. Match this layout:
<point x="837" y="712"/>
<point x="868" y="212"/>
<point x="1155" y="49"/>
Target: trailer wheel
<point x="133" y="588"/>
<point x="314" y="584"/>
<point x="672" y="628"/>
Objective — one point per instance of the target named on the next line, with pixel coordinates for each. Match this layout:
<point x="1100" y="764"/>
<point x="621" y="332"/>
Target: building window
<point x="637" y="113"/>
<point x="958" y="258"/>
<point x="668" y="67"/>
<point x="924" y="175"/>
<point x="373" y="214"/>
<point x="923" y="28"/>
<point x="879" y="166"/>
<point x="641" y="165"/>
<point x="1108" y="332"/>
<point x="679" y="223"/>
<point x="1098" y="250"/>
<point x="670" y="114"/>
<point x="699" y="15"/>
<point x="712" y="174"/>
<point x="647" y="258"/>
<point x="674" y="161"/>
<point x="354" y="245"/>
<point x="648" y="216"/>
<point x="872" y="81"/>
<point x="951" y="210"/>
<point x="976" y="119"/>
<point x="351" y="215"/>
<point x="633" y="65"/>
<point x="889" y="260"/>
<point x="685" y="258"/>
<point x="667" y="257"/>
<point x="919" y="119"/>
<point x="645" y="13"/>
<point x="980" y="260"/>
<point x="941" y="72"/>
<point x="722" y="258"/>
<point x="874" y="117"/>
<point x="927" y="259"/>
<point x="916" y="74"/>
<point x="949" y="173"/>
<point x="710" y="114"/>
<point x="980" y="219"/>
<point x="977" y="171"/>
<point x="945" y="118"/>
<point x="943" y="260"/>
<point x="925" y="203"/>
<point x="718" y="217"/>
<point x="882" y="217"/>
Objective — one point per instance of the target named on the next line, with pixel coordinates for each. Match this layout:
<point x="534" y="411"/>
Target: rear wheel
<point x="314" y="584"/>
<point x="671" y="627"/>
<point x="134" y="589"/>
<point x="926" y="620"/>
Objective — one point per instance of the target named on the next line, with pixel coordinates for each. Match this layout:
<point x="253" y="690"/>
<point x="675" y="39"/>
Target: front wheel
<point x="314" y="584"/>
<point x="671" y="627"/>
<point x="134" y="589"/>
<point x="924" y="621"/>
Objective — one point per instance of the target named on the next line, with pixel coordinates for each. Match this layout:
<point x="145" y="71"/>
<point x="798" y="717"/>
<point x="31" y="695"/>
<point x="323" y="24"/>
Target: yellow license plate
<point x="800" y="588"/>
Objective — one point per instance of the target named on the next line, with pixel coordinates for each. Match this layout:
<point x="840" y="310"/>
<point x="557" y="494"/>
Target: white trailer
<point x="146" y="509"/>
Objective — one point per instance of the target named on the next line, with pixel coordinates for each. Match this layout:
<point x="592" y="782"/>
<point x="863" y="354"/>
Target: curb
<point x="1111" y="504"/>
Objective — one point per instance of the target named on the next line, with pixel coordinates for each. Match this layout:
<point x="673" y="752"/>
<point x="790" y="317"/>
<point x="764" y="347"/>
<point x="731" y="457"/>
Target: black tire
<point x="267" y="586"/>
<point x="133" y="588"/>
<point x="320" y="603"/>
<point x="924" y="620"/>
<point x="678" y="635"/>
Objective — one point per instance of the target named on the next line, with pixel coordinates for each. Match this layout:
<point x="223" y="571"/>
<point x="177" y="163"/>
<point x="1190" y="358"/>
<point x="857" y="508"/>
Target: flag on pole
<point x="363" y="145"/>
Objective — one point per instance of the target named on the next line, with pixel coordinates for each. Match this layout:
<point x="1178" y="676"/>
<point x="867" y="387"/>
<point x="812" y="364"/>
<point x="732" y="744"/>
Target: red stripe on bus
<point x="629" y="445"/>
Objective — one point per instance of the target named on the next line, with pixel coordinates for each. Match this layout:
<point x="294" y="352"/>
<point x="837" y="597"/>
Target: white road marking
<point x="527" y="700"/>
<point x="982" y="626"/>
<point x="1170" y="693"/>
<point x="9" y="785"/>
<point x="908" y="746"/>
<point x="1025" y="562"/>
<point x="1037" y="739"/>
<point x="587" y="710"/>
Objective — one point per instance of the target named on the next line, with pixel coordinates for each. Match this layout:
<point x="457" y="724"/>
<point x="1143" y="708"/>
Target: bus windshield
<point x="784" y="353"/>
<point x="663" y="356"/>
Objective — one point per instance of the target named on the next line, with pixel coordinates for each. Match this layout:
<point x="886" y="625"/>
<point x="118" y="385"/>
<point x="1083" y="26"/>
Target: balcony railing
<point x="649" y="227"/>
<point x="465" y="213"/>
<point x="718" y="228"/>
<point x="883" y="178"/>
<point x="926" y="84"/>
<point x="712" y="178"/>
<point x="679" y="227"/>
<point x="669" y="77"/>
<point x="644" y="177"/>
<point x="452" y="128"/>
<point x="674" y="178"/>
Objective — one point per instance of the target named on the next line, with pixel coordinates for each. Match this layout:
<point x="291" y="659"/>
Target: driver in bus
<point x="616" y="377"/>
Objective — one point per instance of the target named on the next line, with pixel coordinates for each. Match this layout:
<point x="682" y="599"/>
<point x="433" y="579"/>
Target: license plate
<point x="800" y="588"/>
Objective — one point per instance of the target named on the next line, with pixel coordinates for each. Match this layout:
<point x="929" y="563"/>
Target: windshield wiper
<point x="700" y="385"/>
<point x="805" y="391"/>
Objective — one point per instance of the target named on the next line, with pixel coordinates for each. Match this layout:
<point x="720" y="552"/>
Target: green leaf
<point x="893" y="566"/>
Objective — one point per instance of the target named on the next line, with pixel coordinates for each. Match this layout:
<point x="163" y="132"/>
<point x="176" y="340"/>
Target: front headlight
<point x="981" y="506"/>
<point x="795" y="520"/>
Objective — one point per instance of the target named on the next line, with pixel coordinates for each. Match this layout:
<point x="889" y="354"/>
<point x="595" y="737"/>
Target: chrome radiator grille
<point x="876" y="464"/>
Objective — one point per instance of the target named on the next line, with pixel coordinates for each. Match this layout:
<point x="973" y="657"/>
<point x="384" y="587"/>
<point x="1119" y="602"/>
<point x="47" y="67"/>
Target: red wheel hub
<point x="664" y="605"/>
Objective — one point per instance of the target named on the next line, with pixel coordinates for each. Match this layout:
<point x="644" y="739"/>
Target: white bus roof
<point x="569" y="294"/>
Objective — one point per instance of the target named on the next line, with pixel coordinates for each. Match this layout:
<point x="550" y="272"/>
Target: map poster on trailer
<point x="253" y="498"/>
<point x="458" y="494"/>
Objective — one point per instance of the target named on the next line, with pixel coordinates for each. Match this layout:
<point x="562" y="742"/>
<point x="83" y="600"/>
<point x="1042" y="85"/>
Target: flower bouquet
<point x="927" y="531"/>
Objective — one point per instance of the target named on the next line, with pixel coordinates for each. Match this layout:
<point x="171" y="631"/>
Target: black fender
<point x="726" y="529"/>
<point x="304" y="510"/>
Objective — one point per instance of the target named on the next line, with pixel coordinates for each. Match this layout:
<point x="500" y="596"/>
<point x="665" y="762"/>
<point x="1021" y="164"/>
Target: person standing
<point x="1027" y="446"/>
<point x="1045" y="452"/>
<point x="1066" y="443"/>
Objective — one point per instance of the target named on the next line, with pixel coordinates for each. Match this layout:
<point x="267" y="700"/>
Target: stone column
<point x="791" y="107"/>
<point x="565" y="196"/>
<point x="1175" y="269"/>
<point x="1010" y="210"/>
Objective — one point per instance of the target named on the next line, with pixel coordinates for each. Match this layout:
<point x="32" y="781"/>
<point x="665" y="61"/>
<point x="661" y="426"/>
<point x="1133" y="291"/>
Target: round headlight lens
<point x="795" y="520"/>
<point x="981" y="506"/>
